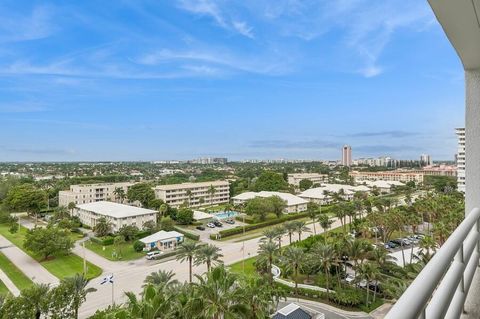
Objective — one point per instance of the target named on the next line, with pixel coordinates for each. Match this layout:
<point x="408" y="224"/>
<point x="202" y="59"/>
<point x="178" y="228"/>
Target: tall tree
<point x="161" y="279"/>
<point x="267" y="250"/>
<point x="293" y="258"/>
<point x="47" y="242"/>
<point x="187" y="251"/>
<point x="141" y="192"/>
<point x="208" y="254"/>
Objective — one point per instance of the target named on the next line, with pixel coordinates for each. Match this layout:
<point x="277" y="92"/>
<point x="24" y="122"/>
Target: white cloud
<point x="221" y="17"/>
<point x="17" y="27"/>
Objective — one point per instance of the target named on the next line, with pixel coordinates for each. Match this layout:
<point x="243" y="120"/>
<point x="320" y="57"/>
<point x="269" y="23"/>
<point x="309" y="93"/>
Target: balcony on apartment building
<point x="449" y="285"/>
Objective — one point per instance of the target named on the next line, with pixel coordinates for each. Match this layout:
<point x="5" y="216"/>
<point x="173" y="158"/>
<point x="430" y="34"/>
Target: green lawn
<point x="250" y="269"/>
<point x="127" y="252"/>
<point x="18" y="278"/>
<point x="62" y="266"/>
<point x="3" y="289"/>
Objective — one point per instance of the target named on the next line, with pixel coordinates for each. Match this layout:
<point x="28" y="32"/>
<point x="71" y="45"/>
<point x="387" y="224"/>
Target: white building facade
<point x="194" y="194"/>
<point x="315" y="178"/>
<point x="89" y="193"/>
<point x="117" y="215"/>
<point x="294" y="204"/>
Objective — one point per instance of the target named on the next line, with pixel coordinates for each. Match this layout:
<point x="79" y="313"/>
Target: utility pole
<point x="243" y="245"/>
<point x="84" y="260"/>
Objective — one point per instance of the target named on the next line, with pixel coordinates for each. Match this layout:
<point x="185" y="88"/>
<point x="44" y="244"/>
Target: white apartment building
<point x="116" y="214"/>
<point x="315" y="178"/>
<point x="347" y="155"/>
<point x="294" y="203"/>
<point x="461" y="159"/>
<point x="323" y="194"/>
<point x="194" y="194"/>
<point x="399" y="176"/>
<point x="89" y="193"/>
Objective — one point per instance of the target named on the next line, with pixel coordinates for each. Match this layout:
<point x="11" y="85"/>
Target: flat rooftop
<point x="191" y="185"/>
<point x="115" y="210"/>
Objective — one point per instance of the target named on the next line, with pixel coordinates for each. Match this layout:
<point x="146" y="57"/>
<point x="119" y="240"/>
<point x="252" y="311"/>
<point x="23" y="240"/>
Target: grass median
<point x="124" y="251"/>
<point x="61" y="266"/>
<point x="19" y="279"/>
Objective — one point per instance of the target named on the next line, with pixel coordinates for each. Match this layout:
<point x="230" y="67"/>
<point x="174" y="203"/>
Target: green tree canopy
<point x="142" y="192"/>
<point x="270" y="181"/>
<point x="47" y="242"/>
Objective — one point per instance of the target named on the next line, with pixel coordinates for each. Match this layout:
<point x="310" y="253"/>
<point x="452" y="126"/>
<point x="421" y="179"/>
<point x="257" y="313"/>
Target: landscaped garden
<point x="60" y="265"/>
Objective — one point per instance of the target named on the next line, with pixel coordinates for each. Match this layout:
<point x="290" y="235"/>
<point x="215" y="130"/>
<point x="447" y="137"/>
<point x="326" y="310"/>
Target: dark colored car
<point x="230" y="221"/>
<point x="200" y="228"/>
<point x="217" y="223"/>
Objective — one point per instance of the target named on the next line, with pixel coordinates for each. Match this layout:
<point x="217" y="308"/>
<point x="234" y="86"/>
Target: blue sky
<point x="148" y="80"/>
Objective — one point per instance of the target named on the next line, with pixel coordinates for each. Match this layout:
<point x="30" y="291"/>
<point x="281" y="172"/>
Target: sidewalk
<point x="30" y="267"/>
<point x="10" y="285"/>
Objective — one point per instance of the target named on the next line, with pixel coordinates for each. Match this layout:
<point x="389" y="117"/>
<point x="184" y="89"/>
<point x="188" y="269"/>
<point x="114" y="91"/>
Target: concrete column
<point x="472" y="140"/>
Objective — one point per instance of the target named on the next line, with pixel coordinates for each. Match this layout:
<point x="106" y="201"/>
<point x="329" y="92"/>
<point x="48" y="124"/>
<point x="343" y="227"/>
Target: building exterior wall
<point x="177" y="194"/>
<point x="347" y="155"/>
<point x="404" y="177"/>
<point x="294" y="179"/>
<point x="89" y="193"/>
<point x="90" y="218"/>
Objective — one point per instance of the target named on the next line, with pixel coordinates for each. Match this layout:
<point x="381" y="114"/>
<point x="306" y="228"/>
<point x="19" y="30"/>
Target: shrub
<point x="138" y="246"/>
<point x="187" y="234"/>
<point x="142" y="234"/>
<point x="347" y="297"/>
<point x="104" y="241"/>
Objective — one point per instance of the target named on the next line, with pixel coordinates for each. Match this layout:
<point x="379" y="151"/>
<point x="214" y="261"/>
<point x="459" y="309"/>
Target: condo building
<point x="89" y="193"/>
<point x="117" y="215"/>
<point x="315" y="178"/>
<point x="398" y="176"/>
<point x="347" y="155"/>
<point x="461" y="159"/>
<point x="194" y="194"/>
<point x="425" y="160"/>
<point x="294" y="204"/>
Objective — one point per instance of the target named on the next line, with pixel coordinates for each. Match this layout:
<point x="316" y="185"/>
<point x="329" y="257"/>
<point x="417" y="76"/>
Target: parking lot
<point x="205" y="234"/>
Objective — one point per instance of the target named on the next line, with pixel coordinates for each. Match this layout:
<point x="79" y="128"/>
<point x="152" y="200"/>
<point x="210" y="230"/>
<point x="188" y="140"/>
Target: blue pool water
<point x="226" y="214"/>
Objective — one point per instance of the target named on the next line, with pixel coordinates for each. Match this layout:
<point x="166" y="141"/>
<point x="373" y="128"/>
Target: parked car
<point x="349" y="278"/>
<point x="230" y="221"/>
<point x="392" y="244"/>
<point x="217" y="223"/>
<point x="211" y="225"/>
<point x="200" y="228"/>
<point x="153" y="255"/>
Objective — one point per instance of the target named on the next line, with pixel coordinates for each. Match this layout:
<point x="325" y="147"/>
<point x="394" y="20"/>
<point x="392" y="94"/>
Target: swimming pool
<point x="226" y="214"/>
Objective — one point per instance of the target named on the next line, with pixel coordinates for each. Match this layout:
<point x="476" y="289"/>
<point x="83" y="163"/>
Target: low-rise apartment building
<point x="325" y="194"/>
<point x="89" y="193"/>
<point x="315" y="178"/>
<point x="194" y="194"/>
<point x="398" y="176"/>
<point x="294" y="203"/>
<point x="117" y="215"/>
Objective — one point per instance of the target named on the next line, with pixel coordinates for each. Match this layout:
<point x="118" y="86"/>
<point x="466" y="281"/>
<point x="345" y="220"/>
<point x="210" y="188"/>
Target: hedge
<point x="142" y="234"/>
<point x="239" y="229"/>
<point x="187" y="234"/>
<point x="104" y="241"/>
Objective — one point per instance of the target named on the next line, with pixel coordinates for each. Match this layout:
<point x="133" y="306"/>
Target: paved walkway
<point x="30" y="267"/>
<point x="10" y="285"/>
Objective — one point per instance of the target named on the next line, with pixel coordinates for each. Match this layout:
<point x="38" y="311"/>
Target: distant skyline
<point x="153" y="80"/>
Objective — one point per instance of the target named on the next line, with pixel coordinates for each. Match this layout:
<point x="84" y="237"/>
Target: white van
<point x="153" y="255"/>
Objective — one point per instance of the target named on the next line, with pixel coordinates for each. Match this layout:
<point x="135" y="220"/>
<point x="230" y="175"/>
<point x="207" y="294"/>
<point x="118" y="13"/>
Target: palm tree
<point x="102" y="227"/>
<point x="325" y="223"/>
<point x="71" y="206"/>
<point x="208" y="254"/>
<point x="119" y="194"/>
<point x="163" y="209"/>
<point x="269" y="234"/>
<point x="219" y="295"/>
<point x="161" y="278"/>
<point x="301" y="227"/>
<point x="187" y="251"/>
<point x="293" y="258"/>
<point x="154" y="304"/>
<point x="189" y="195"/>
<point x="34" y="298"/>
<point x="312" y="209"/>
<point x="366" y="272"/>
<point x="356" y="252"/>
<point x="268" y="250"/>
<point x="78" y="290"/>
<point x="211" y="190"/>
<point x="427" y="245"/>
<point x="280" y="232"/>
<point x="325" y="254"/>
<point x="259" y="297"/>
<point x="290" y="228"/>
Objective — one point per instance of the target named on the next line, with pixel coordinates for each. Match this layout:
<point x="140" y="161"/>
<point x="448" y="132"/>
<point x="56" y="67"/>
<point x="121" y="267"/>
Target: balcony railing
<point x="440" y="290"/>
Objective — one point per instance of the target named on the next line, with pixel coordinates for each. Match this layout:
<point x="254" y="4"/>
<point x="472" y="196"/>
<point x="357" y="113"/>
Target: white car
<point x="211" y="225"/>
<point x="153" y="255"/>
<point x="350" y="278"/>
